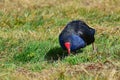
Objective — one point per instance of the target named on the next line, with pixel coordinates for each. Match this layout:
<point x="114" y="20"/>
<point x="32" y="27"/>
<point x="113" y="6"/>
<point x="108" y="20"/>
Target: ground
<point x="29" y="47"/>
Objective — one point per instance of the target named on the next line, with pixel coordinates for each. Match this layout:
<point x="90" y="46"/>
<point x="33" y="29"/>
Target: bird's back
<point x="79" y="28"/>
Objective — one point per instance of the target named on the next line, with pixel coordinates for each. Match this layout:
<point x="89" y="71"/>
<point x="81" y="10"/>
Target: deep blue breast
<point x="76" y="42"/>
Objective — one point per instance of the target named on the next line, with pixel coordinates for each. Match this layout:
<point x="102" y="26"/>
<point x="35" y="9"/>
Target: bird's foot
<point x="95" y="50"/>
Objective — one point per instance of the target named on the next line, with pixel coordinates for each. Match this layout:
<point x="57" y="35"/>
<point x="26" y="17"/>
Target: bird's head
<point x="67" y="46"/>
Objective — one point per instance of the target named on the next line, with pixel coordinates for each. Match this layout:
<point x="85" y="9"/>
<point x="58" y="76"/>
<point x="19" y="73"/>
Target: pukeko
<point x="76" y="35"/>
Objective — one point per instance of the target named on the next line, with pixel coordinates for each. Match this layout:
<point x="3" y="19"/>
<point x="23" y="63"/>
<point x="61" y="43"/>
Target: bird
<point x="76" y="35"/>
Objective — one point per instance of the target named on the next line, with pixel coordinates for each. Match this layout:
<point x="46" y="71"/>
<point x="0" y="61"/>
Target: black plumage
<point x="78" y="34"/>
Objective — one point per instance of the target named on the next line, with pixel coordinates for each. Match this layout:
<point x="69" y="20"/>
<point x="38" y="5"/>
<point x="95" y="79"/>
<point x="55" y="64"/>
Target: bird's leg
<point x="94" y="48"/>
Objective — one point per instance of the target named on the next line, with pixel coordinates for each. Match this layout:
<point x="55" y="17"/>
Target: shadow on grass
<point x="58" y="54"/>
<point x="55" y="54"/>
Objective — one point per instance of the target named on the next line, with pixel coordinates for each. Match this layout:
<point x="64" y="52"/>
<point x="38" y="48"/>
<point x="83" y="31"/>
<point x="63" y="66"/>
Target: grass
<point x="29" y="47"/>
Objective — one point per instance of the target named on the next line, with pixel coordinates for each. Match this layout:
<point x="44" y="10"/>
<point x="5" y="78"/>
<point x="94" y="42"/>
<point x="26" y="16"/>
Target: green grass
<point x="29" y="46"/>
